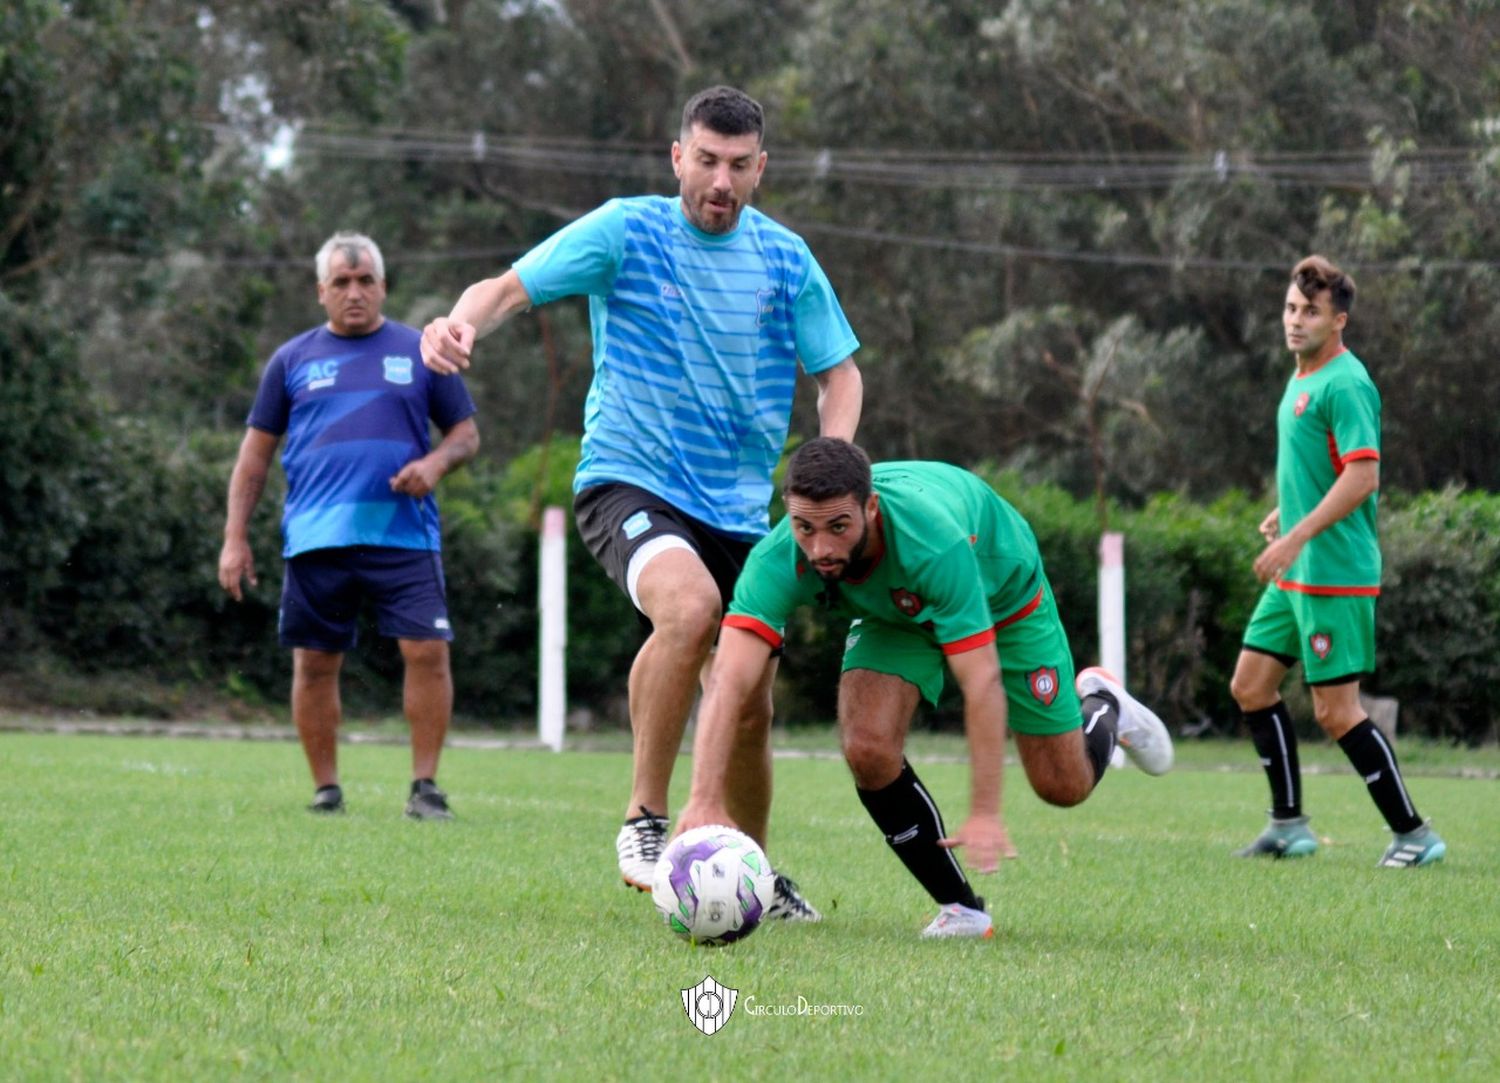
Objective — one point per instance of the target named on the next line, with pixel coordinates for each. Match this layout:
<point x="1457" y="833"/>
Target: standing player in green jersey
<point x="932" y="566"/>
<point x="1322" y="570"/>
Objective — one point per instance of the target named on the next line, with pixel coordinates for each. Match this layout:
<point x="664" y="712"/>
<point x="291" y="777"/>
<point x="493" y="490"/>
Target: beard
<point x="853" y="560"/>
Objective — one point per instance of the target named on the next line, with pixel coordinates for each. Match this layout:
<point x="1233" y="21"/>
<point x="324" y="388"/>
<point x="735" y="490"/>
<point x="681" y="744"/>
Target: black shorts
<point x="325" y="588"/>
<point x="615" y="520"/>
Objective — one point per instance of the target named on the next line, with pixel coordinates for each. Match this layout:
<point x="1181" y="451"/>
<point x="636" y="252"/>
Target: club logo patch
<point x="398" y="370"/>
<point x="636" y="525"/>
<point x="1043" y="684"/>
<point x="906" y="601"/>
<point x="1321" y="644"/>
<point x="1301" y="404"/>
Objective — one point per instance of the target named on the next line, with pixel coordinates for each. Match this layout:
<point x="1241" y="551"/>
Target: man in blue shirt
<point x="354" y="403"/>
<point x="702" y="309"/>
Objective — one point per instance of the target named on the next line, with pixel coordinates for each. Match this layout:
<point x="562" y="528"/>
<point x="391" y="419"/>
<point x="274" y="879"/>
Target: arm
<point x="420" y="476"/>
<point x="978" y="675"/>
<point x="840" y="396"/>
<point x="448" y="341"/>
<point x="246" y="483"/>
<point x="739" y="661"/>
<point x="1360" y="478"/>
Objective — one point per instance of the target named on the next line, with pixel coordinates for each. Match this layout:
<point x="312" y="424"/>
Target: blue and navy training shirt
<point x="697" y="337"/>
<point x="355" y="411"/>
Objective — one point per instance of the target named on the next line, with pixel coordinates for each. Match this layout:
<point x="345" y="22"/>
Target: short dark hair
<point x="724" y="110"/>
<point x="827" y="468"/>
<point x="1315" y="274"/>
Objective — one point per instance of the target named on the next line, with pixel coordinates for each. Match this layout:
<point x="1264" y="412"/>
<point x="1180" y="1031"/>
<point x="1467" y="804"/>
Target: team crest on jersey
<point x="1321" y="644"/>
<point x="398" y="370"/>
<point x="1301" y="404"/>
<point x="1043" y="684"/>
<point x="765" y="306"/>
<point x="906" y="601"/>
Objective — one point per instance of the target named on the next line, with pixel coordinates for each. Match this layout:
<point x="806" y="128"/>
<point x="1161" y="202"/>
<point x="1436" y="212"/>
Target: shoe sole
<point x="645" y="889"/>
<point x="1123" y="697"/>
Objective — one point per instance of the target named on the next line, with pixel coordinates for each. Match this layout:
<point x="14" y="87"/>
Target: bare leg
<point x="875" y="711"/>
<point x="681" y="599"/>
<point x="316" y="710"/>
<point x="1256" y="684"/>
<point x="427" y="697"/>
<point x="1057" y="766"/>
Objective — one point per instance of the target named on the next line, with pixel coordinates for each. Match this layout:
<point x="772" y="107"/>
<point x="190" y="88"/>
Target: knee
<point x="1249" y="694"/>
<point x="1063" y="792"/>
<point x="426" y="656"/>
<point x="691" y="620"/>
<point x="874" y="763"/>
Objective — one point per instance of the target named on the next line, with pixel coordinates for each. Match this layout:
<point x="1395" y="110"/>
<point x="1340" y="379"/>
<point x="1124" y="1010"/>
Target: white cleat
<point x="639" y="845"/>
<point x="955" y="920"/>
<point x="1140" y="733"/>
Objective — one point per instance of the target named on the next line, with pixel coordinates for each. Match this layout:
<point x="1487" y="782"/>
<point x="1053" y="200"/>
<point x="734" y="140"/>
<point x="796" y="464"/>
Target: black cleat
<point x="327" y="799"/>
<point x="428" y="802"/>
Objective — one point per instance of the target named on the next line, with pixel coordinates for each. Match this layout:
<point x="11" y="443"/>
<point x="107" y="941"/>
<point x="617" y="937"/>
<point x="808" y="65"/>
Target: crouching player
<point x="931" y="565"/>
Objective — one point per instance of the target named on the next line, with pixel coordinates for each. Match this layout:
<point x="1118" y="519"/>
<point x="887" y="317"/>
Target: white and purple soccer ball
<point x="713" y="885"/>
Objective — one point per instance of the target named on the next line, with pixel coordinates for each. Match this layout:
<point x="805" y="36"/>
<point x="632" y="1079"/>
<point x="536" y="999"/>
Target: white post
<point x="552" y="606"/>
<point x="1112" y="613"/>
<point x="1112" y="604"/>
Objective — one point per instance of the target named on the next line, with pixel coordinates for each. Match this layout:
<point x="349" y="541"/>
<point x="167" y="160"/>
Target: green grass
<point x="169" y="911"/>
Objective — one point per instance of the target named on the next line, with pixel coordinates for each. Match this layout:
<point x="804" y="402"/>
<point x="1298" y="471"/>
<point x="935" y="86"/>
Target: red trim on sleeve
<point x="750" y="624"/>
<point x="979" y="639"/>
<point x="1334" y="458"/>
<point x="1335" y="592"/>
<point x="1025" y="611"/>
<point x="1362" y="453"/>
<point x="969" y="643"/>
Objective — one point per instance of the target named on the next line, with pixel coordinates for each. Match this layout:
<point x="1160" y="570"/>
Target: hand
<point x="447" y="344"/>
<point x="417" y="478"/>
<point x="1277" y="557"/>
<point x="986" y="839"/>
<point x="236" y="562"/>
<point x="1270" y="526"/>
<point x="702" y="814"/>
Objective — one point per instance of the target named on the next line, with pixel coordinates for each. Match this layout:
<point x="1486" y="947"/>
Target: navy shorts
<point x="324" y="590"/>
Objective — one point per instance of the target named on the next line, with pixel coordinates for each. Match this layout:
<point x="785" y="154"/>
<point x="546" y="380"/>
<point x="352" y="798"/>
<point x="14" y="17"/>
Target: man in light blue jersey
<point x="360" y="522"/>
<point x="702" y="309"/>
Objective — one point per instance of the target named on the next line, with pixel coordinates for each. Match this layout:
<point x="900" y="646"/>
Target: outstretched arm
<point x="983" y="833"/>
<point x="448" y="341"/>
<point x="841" y="394"/>
<point x="739" y="662"/>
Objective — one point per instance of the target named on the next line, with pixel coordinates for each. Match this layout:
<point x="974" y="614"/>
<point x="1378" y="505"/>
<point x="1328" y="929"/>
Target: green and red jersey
<point x="958" y="563"/>
<point x="1328" y="418"/>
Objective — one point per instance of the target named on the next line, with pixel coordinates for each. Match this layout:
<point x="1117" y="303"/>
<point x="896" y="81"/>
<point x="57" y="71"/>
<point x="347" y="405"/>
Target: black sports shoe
<point x="788" y="904"/>
<point x="327" y="799"/>
<point x="428" y="802"/>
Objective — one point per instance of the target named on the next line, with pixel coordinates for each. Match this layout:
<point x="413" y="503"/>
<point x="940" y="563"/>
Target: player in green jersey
<point x="932" y="567"/>
<point x="1321" y="565"/>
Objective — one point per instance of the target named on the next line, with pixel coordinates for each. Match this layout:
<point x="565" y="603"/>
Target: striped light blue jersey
<point x="697" y="337"/>
<point x="355" y="410"/>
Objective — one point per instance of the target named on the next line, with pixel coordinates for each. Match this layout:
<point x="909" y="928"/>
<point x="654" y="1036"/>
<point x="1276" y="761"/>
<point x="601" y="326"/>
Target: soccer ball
<point x="713" y="885"/>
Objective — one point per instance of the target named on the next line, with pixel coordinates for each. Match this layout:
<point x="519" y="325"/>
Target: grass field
<point x="169" y="911"/>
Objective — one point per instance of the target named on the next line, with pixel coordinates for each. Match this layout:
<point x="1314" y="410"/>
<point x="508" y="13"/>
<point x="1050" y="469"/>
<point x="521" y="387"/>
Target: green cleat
<point x="1282" y="838"/>
<point x="1414" y="848"/>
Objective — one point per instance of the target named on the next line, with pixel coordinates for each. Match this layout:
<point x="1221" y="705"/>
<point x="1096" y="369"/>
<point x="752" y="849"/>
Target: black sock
<point x="420" y="783"/>
<point x="912" y="825"/>
<point x="334" y="786"/>
<point x="1375" y="760"/>
<point x="1101" y="720"/>
<point x="1276" y="742"/>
